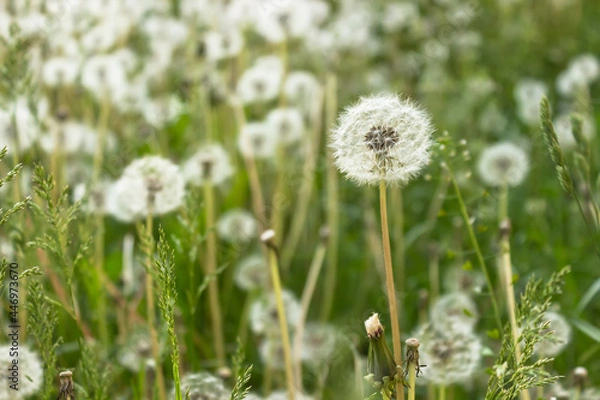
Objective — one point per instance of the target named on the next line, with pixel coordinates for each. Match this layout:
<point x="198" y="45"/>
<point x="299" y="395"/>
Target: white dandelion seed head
<point x="259" y="83"/>
<point x="272" y="353"/>
<point x="319" y="343"/>
<point x="104" y="77"/>
<point x="564" y="130"/>
<point x="399" y="16"/>
<point x="60" y="71"/>
<point x="503" y="163"/>
<point x="252" y="273"/>
<point x="220" y="45"/>
<point x="263" y="312"/>
<point x="69" y="137"/>
<point x="203" y="386"/>
<point x="237" y="226"/>
<point x="210" y="163"/>
<point x="527" y="93"/>
<point x="287" y="124"/>
<point x="162" y="111"/>
<point x="293" y="19"/>
<point x="454" y="312"/>
<point x="302" y="89"/>
<point x="382" y="137"/>
<point x="257" y="140"/>
<point x="451" y="357"/>
<point x="586" y="68"/>
<point x="31" y="373"/>
<point x="151" y="184"/>
<point x="560" y="338"/>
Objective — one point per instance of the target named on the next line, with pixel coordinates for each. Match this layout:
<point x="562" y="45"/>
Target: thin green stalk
<point x="475" y="244"/>
<point x="268" y="238"/>
<point x="211" y="269"/>
<point x="442" y="393"/>
<point x="332" y="210"/>
<point x="391" y="290"/>
<point x="506" y="268"/>
<point x="399" y="249"/>
<point x="151" y="310"/>
<point x="100" y="278"/>
<point x="307" y="294"/>
<point x="412" y="363"/>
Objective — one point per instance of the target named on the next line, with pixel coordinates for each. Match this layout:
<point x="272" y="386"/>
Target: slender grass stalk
<point x="151" y="309"/>
<point x="100" y="278"/>
<point x="267" y="238"/>
<point x="391" y="290"/>
<point x="434" y="273"/>
<point x="307" y="294"/>
<point x="332" y="217"/>
<point x="211" y="269"/>
<point x="442" y="395"/>
<point x="475" y="244"/>
<point x="396" y="201"/>
<point x="506" y="269"/>
<point x="358" y="372"/>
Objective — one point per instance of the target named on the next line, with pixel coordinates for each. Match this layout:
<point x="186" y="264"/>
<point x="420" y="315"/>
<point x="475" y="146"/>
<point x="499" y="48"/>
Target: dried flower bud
<point x="580" y="376"/>
<point x="380" y="362"/>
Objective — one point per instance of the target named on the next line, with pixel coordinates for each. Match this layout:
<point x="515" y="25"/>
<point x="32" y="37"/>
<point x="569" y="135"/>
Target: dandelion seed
<point x="259" y="83"/>
<point x="503" y="163"/>
<point x="221" y="45"/>
<point x="319" y="343"/>
<point x="382" y="137"/>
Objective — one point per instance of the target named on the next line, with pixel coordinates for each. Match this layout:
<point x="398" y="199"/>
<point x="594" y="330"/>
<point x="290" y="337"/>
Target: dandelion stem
<point x="211" y="269"/>
<point x="397" y="206"/>
<point x="506" y="268"/>
<point x="475" y="244"/>
<point x="391" y="290"/>
<point x="309" y="289"/>
<point x="285" y="336"/>
<point x="332" y="204"/>
<point x="150" y="307"/>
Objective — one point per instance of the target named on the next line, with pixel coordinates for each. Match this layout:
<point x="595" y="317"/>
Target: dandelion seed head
<point x="454" y="312"/>
<point x="31" y="373"/>
<point x="263" y="312"/>
<point x="382" y="137"/>
<point x="203" y="386"/>
<point x="564" y="130"/>
<point x="287" y="124"/>
<point x="319" y="343"/>
<point x="210" y="163"/>
<point x="451" y="357"/>
<point x="252" y="273"/>
<point x="237" y="226"/>
<point x="257" y="140"/>
<point x="220" y="45"/>
<point x="150" y="184"/>
<point x="503" y="163"/>
<point x="260" y="83"/>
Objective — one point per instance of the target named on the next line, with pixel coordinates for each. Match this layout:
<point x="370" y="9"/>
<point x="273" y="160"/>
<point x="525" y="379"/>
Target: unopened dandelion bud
<point x="268" y="238"/>
<point x="580" y="376"/>
<point x="380" y="362"/>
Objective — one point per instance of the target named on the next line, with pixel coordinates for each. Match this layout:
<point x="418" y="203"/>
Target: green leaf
<point x="588" y="296"/>
<point x="587" y="328"/>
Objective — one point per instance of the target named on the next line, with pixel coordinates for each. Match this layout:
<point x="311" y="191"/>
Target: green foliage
<point x="94" y="374"/>
<point x="510" y="376"/>
<point x="242" y="375"/>
<point x="167" y="300"/>
<point x="41" y="322"/>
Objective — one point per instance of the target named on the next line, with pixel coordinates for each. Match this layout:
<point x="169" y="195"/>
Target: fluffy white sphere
<point x="382" y="137"/>
<point x="503" y="163"/>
